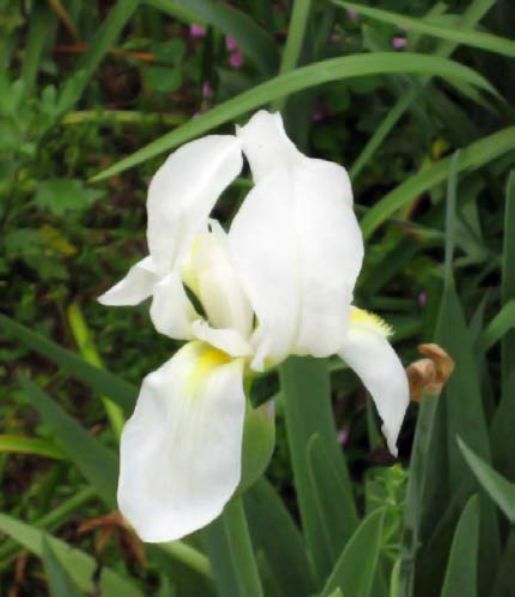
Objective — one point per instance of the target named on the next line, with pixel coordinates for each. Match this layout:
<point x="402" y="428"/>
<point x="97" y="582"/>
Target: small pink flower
<point x="352" y="14"/>
<point x="422" y="299"/>
<point x="197" y="31"/>
<point x="207" y="90"/>
<point x="399" y="42"/>
<point x="230" y="43"/>
<point x="343" y="436"/>
<point x="236" y="59"/>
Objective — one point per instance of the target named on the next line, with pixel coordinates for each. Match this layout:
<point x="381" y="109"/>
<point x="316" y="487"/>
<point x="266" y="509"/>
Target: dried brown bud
<point x="430" y="374"/>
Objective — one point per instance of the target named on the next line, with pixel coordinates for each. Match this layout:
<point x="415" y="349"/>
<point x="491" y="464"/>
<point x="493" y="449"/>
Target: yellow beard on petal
<point x="370" y="321"/>
<point x="206" y="360"/>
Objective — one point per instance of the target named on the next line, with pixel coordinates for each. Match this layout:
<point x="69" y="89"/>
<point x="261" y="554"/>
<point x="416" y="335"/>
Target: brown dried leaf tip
<point x="430" y="374"/>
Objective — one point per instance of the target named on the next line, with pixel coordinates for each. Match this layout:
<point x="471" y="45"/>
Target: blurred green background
<point x="83" y="85"/>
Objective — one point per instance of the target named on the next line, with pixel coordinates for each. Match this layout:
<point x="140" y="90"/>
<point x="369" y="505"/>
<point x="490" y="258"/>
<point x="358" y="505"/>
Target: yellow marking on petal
<point x="370" y="321"/>
<point x="208" y="358"/>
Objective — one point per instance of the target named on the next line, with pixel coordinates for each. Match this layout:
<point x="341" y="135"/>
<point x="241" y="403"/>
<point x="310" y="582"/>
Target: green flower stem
<point x="189" y="556"/>
<point x="240" y="548"/>
<point x="415" y="492"/>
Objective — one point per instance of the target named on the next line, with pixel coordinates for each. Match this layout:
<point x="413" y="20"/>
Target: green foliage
<point x="411" y="97"/>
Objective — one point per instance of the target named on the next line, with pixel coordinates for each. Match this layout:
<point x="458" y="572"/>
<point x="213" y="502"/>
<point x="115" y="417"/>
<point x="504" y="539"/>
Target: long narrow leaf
<point x="98" y="464"/>
<point x="504" y="420"/>
<point x="380" y="63"/>
<point x="461" y="574"/>
<point x="500" y="490"/>
<point x="472" y="157"/>
<point x="476" y="39"/>
<point x="99" y="380"/>
<point x="356" y="568"/>
<point x="80" y="566"/>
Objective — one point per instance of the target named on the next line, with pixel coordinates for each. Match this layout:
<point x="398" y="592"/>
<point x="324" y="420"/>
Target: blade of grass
<point x="500" y="490"/>
<point x="102" y="42"/>
<point x="295" y="39"/>
<point x="472" y="157"/>
<point x="58" y="579"/>
<point x="415" y="491"/>
<point x="473" y="14"/>
<point x="302" y="78"/>
<point x="355" y="570"/>
<point x="49" y="521"/>
<point x="501" y="325"/>
<point x="475" y="39"/>
<point x="504" y="419"/>
<point x="86" y="344"/>
<point x="80" y="566"/>
<point x="283" y="549"/>
<point x="102" y="381"/>
<point x="41" y="28"/>
<point x="461" y="573"/>
<point x="333" y="496"/>
<point x="96" y="463"/>
<point x="31" y="446"/>
<point x="296" y="31"/>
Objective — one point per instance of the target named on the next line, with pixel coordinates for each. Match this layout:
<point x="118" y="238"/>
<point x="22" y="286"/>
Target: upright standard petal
<point x="368" y="352"/>
<point x="183" y="193"/>
<point x="180" y="453"/>
<point x="296" y="243"/>
<point x="137" y="285"/>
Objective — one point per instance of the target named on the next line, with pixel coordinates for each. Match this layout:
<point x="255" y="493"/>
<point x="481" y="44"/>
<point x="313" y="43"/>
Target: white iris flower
<point x="280" y="282"/>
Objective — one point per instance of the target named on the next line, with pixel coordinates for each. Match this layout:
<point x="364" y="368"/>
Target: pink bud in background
<point x="197" y="31"/>
<point x="207" y="90"/>
<point x="230" y="43"/>
<point x="422" y="298"/>
<point x="352" y="14"/>
<point x="343" y="436"/>
<point x="399" y="42"/>
<point x="236" y="59"/>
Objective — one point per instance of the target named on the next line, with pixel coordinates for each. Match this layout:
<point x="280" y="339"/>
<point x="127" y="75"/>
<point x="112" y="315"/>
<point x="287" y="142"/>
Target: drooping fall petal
<point x="369" y="353"/>
<point x="180" y="453"/>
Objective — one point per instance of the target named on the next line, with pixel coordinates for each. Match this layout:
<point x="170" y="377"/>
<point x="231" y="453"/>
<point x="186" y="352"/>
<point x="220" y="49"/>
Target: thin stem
<point x="415" y="492"/>
<point x="240" y="547"/>
<point x="189" y="556"/>
<point x="294" y="41"/>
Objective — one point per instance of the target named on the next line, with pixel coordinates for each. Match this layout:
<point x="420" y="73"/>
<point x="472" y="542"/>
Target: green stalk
<point x="415" y="492"/>
<point x="189" y="556"/>
<point x="294" y="41"/>
<point x="88" y="350"/>
<point x="240" y="548"/>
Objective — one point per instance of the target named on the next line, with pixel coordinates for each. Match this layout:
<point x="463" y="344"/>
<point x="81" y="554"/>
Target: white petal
<point x="368" y="352"/>
<point x="180" y="453"/>
<point x="298" y="249"/>
<point x="216" y="283"/>
<point x="134" y="288"/>
<point x="183" y="192"/>
<point x="171" y="311"/>
<point x="266" y="145"/>
<point x="226" y="339"/>
<point x="265" y="251"/>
